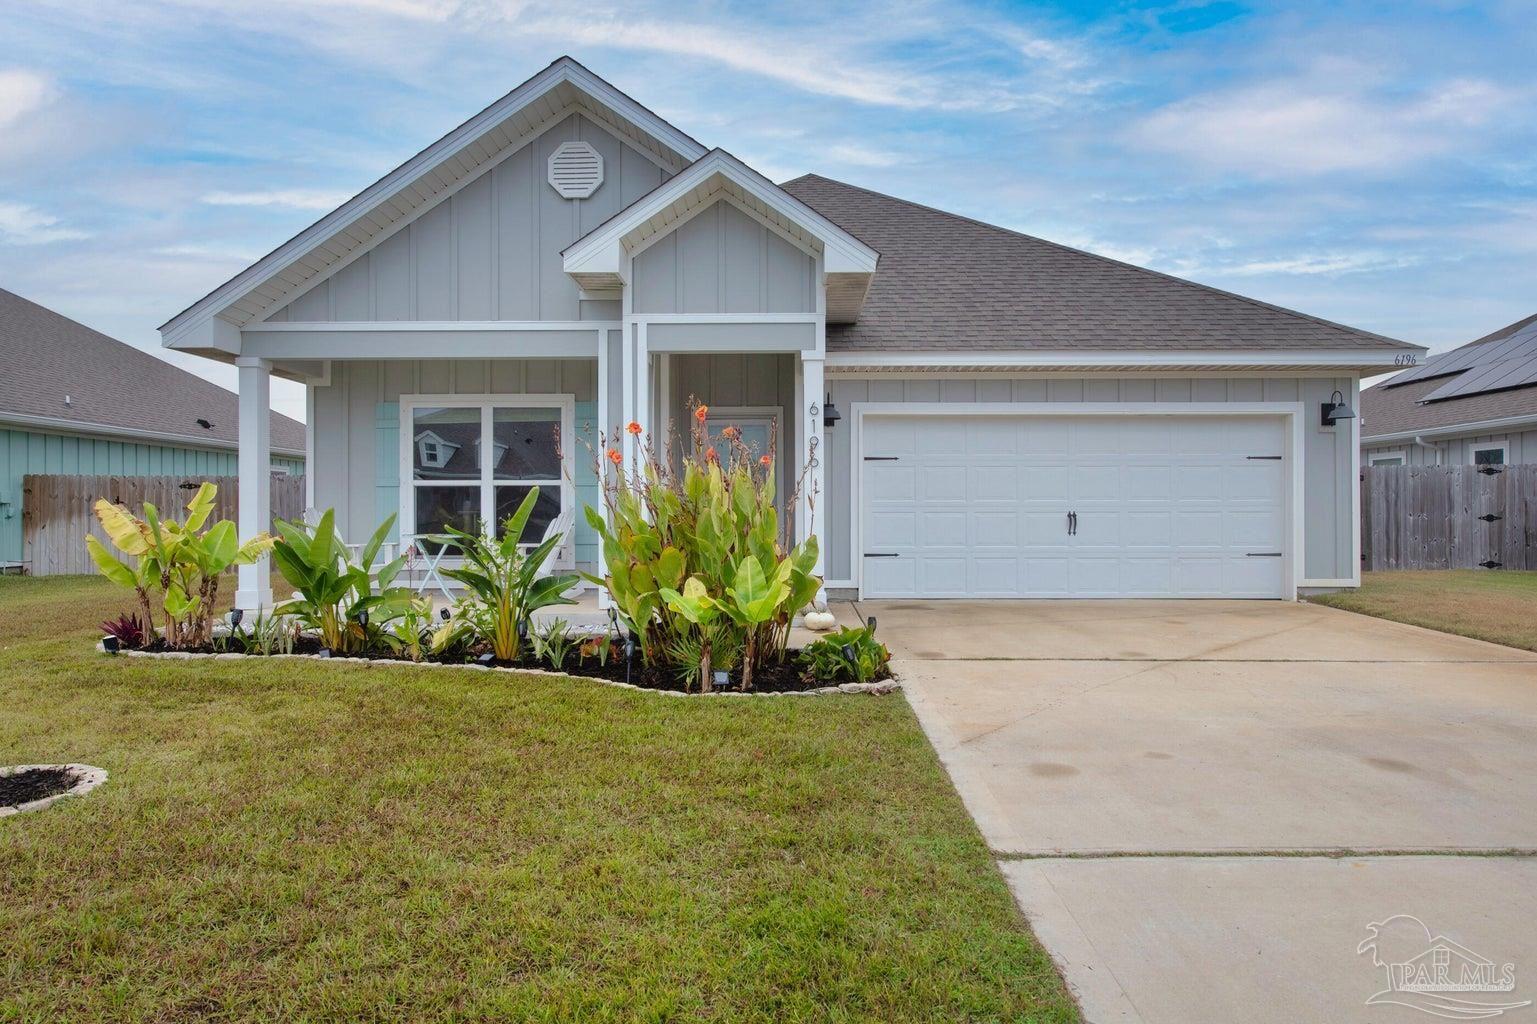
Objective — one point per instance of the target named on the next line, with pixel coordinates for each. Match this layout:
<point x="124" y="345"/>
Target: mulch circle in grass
<point x="35" y="784"/>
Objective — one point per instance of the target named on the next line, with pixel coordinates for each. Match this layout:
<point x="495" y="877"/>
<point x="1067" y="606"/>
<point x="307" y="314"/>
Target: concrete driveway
<point x="1202" y="806"/>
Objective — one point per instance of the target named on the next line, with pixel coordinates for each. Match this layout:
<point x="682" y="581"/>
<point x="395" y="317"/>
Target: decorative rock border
<point x="884" y="686"/>
<point x="90" y="778"/>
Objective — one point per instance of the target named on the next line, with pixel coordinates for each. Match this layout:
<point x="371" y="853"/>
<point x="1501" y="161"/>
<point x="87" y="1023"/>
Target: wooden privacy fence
<point x="1449" y="517"/>
<point x="56" y="510"/>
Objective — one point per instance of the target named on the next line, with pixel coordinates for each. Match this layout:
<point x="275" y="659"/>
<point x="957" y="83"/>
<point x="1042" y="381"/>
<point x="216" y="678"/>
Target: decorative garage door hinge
<point x="1490" y="517"/>
<point x="882" y="554"/>
<point x="1264" y="554"/>
<point x="1264" y="458"/>
<point x="880" y="458"/>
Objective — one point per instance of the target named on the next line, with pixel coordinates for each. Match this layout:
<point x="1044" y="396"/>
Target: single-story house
<point x="1474" y="405"/>
<point x="985" y="414"/>
<point x="76" y="402"/>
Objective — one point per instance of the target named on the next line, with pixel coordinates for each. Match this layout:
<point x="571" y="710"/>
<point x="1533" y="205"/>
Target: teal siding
<point x="387" y="465"/>
<point x="585" y="473"/>
<point x="25" y="451"/>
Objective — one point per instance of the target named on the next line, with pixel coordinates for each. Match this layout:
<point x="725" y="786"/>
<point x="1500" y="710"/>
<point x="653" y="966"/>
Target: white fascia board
<point x="1343" y="360"/>
<point x="566" y="339"/>
<point x="354" y="209"/>
<point x="602" y="251"/>
<point x="1471" y="427"/>
<point x="209" y="333"/>
<point x="54" y="424"/>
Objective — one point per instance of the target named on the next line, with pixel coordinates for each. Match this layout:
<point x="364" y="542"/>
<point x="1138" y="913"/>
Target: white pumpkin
<point x="820" y="622"/>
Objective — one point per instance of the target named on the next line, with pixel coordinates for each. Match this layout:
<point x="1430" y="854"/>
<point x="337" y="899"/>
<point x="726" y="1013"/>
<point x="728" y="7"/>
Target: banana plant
<point x="504" y="585"/>
<point x="181" y="562"/>
<point x="346" y="602"/>
<point x="753" y="601"/>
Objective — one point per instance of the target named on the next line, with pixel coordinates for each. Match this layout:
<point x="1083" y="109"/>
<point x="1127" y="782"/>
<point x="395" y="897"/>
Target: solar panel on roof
<point x="1508" y="363"/>
<point x="1514" y="344"/>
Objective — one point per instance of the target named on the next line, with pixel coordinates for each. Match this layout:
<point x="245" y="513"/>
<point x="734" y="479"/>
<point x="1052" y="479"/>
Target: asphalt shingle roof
<point x="110" y="384"/>
<point x="1393" y="408"/>
<point x="947" y="282"/>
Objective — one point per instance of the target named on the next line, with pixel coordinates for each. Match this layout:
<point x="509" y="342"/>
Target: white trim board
<point x="1345" y="359"/>
<point x="1294" y="413"/>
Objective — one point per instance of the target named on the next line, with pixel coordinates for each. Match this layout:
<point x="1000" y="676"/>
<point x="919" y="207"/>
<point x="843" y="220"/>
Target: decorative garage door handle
<point x="1264" y="554"/>
<point x="882" y="554"/>
<point x="880" y="458"/>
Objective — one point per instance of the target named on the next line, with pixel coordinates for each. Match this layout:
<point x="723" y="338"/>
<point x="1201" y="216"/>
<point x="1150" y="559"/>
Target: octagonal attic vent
<point x="576" y="170"/>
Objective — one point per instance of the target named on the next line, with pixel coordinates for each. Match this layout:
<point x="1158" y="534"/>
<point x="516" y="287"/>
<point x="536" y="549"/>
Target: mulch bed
<point x="35" y="784"/>
<point x="786" y="677"/>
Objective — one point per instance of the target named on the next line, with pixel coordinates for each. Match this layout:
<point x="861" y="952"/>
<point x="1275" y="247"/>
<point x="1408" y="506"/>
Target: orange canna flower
<point x="710" y="455"/>
<point x="730" y="433"/>
<point x="701" y="413"/>
<point x="614" y="456"/>
<point x="633" y="428"/>
<point x="765" y="461"/>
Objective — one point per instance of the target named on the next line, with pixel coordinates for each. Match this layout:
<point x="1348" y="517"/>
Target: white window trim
<point x="1401" y="454"/>
<point x="1501" y="445"/>
<point x="1292" y="414"/>
<point x="566" y="404"/>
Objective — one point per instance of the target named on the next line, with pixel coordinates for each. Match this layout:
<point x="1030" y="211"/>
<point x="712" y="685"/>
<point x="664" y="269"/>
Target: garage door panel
<point x="885" y="481"/>
<point x="1167" y="506"/>
<point x="942" y="483"/>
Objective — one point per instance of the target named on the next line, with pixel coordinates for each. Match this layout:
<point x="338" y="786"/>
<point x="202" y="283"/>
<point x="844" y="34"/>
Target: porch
<point x="452" y="441"/>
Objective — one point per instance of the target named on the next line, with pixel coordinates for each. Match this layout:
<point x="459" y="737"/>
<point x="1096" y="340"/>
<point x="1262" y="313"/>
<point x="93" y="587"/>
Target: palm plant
<point x="346" y="602"/>
<point x="504" y="585"/>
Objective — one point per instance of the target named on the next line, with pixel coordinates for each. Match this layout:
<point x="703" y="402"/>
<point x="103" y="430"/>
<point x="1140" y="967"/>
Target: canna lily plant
<point x="179" y="564"/>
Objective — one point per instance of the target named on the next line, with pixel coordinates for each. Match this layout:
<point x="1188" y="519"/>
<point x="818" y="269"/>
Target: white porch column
<point x="810" y="396"/>
<point x="637" y="394"/>
<point x="255" y="466"/>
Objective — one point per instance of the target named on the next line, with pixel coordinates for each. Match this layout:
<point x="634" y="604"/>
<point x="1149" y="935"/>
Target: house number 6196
<point x="1407" y="359"/>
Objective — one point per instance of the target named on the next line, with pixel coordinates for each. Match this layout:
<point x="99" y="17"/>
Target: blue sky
<point x="1369" y="162"/>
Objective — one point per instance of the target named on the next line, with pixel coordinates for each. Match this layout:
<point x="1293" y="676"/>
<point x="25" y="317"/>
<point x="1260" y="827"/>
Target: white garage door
<point x="1073" y="506"/>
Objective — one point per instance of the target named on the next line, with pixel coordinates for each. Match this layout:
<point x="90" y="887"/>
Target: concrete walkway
<point x="1202" y="806"/>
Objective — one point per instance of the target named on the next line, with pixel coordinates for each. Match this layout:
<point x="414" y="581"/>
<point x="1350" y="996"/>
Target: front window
<point x="477" y="459"/>
<point x="1387" y="460"/>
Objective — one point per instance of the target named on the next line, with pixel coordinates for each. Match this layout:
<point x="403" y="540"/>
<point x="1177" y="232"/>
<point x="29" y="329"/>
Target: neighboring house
<point x="1014" y="418"/>
<point x="76" y="402"/>
<point x="1474" y="405"/>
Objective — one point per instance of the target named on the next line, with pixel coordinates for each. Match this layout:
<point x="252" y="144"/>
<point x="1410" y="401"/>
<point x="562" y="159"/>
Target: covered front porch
<point x="441" y="442"/>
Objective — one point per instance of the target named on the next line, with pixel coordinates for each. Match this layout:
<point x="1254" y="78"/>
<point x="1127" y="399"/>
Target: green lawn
<point x="296" y="841"/>
<point x="1499" y="606"/>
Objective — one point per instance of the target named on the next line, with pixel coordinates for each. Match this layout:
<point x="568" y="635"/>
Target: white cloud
<point x="1303" y="127"/>
<point x="862" y="156"/>
<point x="22" y="93"/>
<point x="293" y="198"/>
<point x="21" y="224"/>
<point x="1337" y="263"/>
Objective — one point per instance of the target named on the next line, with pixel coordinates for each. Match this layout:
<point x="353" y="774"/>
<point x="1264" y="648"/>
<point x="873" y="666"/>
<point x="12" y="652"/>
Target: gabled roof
<point x="113" y="388"/>
<point x="458" y="157"/>
<point x="1484" y="382"/>
<point x="596" y="259"/>
<point x="952" y="284"/>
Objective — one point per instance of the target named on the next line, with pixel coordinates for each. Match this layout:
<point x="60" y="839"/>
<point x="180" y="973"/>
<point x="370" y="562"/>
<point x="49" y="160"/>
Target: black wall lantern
<point x="1335" y="409"/>
<point x="830" y="413"/>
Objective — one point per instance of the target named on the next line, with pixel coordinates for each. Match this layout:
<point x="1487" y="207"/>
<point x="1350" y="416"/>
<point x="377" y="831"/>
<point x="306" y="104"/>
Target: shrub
<point x="337" y="596"/>
<point x="554" y="643"/>
<point x="127" y="629"/>
<point x="265" y="633"/>
<point x="850" y="655"/>
<point x="503" y="586"/>
<point x="411" y="634"/>
<point x="694" y="559"/>
<point x="178" y="563"/>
